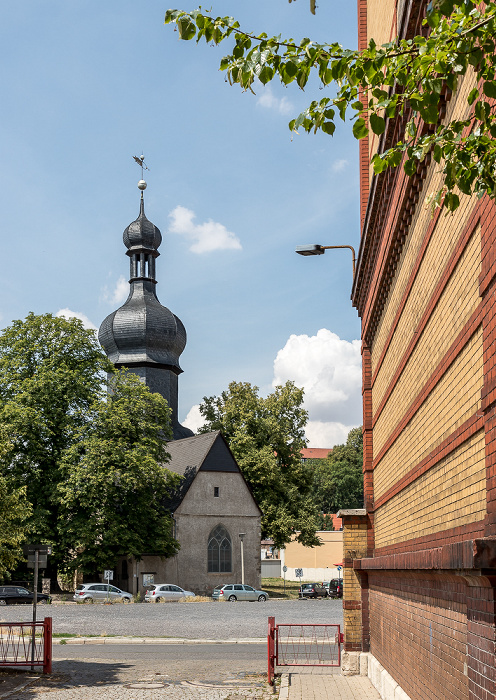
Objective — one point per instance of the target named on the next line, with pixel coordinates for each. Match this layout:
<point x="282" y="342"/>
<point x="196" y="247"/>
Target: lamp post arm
<point x="333" y="247"/>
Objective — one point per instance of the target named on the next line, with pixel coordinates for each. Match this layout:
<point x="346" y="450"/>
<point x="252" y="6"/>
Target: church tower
<point x="144" y="336"/>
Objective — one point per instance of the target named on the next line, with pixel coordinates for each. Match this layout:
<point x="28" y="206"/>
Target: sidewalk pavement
<point x="303" y="686"/>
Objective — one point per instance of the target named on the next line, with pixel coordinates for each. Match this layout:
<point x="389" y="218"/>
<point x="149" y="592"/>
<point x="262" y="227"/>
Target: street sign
<point x="339" y="568"/>
<point x="298" y="573"/>
<point x="108" y="575"/>
<point x="42" y="561"/>
<point x="284" y="568"/>
<point x="40" y="548"/>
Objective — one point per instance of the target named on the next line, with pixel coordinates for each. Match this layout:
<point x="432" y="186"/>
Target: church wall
<point x="199" y="513"/>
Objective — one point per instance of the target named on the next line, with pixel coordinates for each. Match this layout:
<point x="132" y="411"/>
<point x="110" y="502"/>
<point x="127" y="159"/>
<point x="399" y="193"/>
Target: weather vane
<point x="141" y="162"/>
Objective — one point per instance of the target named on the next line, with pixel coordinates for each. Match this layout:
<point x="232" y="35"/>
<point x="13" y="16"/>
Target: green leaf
<point x="489" y="88"/>
<point x="186" y="28"/>
<point x="473" y="95"/>
<point x="328" y="128"/>
<point x="266" y="74"/>
<point x="429" y="114"/>
<point x="377" y="124"/>
<point x="360" y="130"/>
<point x="433" y="18"/>
<point x="410" y="167"/>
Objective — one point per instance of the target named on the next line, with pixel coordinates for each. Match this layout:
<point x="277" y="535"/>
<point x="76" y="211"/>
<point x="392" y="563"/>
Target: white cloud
<point x="194" y="420"/>
<point x="321" y="434"/>
<point x="269" y="101"/>
<point x="119" y="294"/>
<point x="67" y="313"/>
<point x="206" y="237"/>
<point x="329" y="369"/>
<point x="339" y="165"/>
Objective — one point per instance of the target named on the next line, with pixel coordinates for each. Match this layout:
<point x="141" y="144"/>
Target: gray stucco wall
<point x="199" y="513"/>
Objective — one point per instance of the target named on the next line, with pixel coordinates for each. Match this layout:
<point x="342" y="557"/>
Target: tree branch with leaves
<point x="401" y="79"/>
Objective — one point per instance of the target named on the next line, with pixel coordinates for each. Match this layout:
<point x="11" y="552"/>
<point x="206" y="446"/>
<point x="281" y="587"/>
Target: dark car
<point x="11" y="595"/>
<point x="313" y="590"/>
<point x="334" y="587"/>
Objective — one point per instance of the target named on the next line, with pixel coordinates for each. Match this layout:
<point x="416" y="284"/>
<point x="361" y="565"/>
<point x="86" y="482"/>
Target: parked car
<point x="12" y="595"/>
<point x="334" y="587"/>
<point x="160" y="592"/>
<point x="90" y="592"/>
<point x="238" y="591"/>
<point x="312" y="590"/>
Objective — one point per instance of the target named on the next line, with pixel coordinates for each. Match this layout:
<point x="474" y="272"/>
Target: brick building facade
<point x="425" y="290"/>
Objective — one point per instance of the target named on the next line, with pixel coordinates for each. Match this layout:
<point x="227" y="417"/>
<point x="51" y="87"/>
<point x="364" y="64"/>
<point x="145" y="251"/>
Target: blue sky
<point x="86" y="85"/>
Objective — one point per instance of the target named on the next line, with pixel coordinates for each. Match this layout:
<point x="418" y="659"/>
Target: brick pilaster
<point x="355" y="590"/>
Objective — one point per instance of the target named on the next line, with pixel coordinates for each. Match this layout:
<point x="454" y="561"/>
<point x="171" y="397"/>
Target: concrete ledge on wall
<point x="383" y="682"/>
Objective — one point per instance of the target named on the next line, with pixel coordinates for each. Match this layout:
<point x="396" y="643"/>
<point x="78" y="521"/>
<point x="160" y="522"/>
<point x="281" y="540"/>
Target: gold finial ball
<point x="142" y="185"/>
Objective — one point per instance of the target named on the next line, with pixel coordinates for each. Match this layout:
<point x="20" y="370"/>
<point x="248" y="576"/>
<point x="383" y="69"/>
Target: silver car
<point x="90" y="592"/>
<point x="239" y="591"/>
<point x="164" y="592"/>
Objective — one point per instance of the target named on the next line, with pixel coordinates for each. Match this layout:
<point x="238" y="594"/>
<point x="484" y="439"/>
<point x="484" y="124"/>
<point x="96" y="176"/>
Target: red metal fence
<point x="26" y="644"/>
<point x="302" y="645"/>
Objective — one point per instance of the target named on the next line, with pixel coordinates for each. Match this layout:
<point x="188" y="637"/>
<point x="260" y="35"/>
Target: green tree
<point x="69" y="444"/>
<point x="14" y="513"/>
<point x="115" y="485"/>
<point x="266" y="437"/>
<point x="404" y="79"/>
<point x="51" y="371"/>
<point x="338" y="479"/>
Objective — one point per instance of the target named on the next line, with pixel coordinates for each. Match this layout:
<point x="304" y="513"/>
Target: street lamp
<point x="315" y="249"/>
<point x="241" y="537"/>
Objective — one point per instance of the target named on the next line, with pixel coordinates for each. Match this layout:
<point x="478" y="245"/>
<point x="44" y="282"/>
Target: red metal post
<point x="47" y="645"/>
<point x="270" y="650"/>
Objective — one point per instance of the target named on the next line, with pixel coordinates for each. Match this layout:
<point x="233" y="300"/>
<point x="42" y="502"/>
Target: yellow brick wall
<point x="441" y="245"/>
<point x="457" y="303"/>
<point x="449" y="495"/>
<point x="354" y="547"/>
<point x="454" y="399"/>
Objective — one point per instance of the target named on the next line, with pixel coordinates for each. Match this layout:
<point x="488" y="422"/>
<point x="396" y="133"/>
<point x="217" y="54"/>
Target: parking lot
<point x="195" y="620"/>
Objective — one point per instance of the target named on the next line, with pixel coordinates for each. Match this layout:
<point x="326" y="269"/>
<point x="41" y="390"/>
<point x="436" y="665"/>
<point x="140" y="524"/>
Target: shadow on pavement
<point x="66" y="673"/>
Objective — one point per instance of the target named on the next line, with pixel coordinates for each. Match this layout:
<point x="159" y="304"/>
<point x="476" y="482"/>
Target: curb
<point x="151" y="640"/>
<point x="284" y="687"/>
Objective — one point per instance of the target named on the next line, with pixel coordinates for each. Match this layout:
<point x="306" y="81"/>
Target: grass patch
<point x="275" y="588"/>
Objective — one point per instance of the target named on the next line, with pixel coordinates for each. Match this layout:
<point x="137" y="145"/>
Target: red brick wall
<point x="418" y="632"/>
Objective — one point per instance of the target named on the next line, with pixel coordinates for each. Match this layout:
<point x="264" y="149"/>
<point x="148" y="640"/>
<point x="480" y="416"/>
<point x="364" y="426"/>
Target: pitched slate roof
<point x="206" y="452"/>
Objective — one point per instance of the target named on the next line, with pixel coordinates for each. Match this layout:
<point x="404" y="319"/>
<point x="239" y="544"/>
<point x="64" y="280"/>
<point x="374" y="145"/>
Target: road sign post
<point x="108" y="575"/>
<point x="299" y="574"/>
<point x="37" y="555"/>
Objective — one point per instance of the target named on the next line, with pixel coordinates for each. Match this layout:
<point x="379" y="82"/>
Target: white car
<point x="164" y="592"/>
<point x="89" y="592"/>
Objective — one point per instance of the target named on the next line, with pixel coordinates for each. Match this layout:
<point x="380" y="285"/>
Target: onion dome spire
<point x="143" y="335"/>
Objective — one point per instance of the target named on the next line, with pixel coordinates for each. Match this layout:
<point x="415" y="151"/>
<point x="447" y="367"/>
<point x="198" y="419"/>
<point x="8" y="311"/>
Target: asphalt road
<point x="210" y="620"/>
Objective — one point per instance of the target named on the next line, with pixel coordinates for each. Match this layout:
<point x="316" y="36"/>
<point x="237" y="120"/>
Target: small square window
<point x="216" y="491"/>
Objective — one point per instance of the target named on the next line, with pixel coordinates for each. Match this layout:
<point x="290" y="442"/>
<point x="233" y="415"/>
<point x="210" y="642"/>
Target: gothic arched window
<point x="219" y="550"/>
